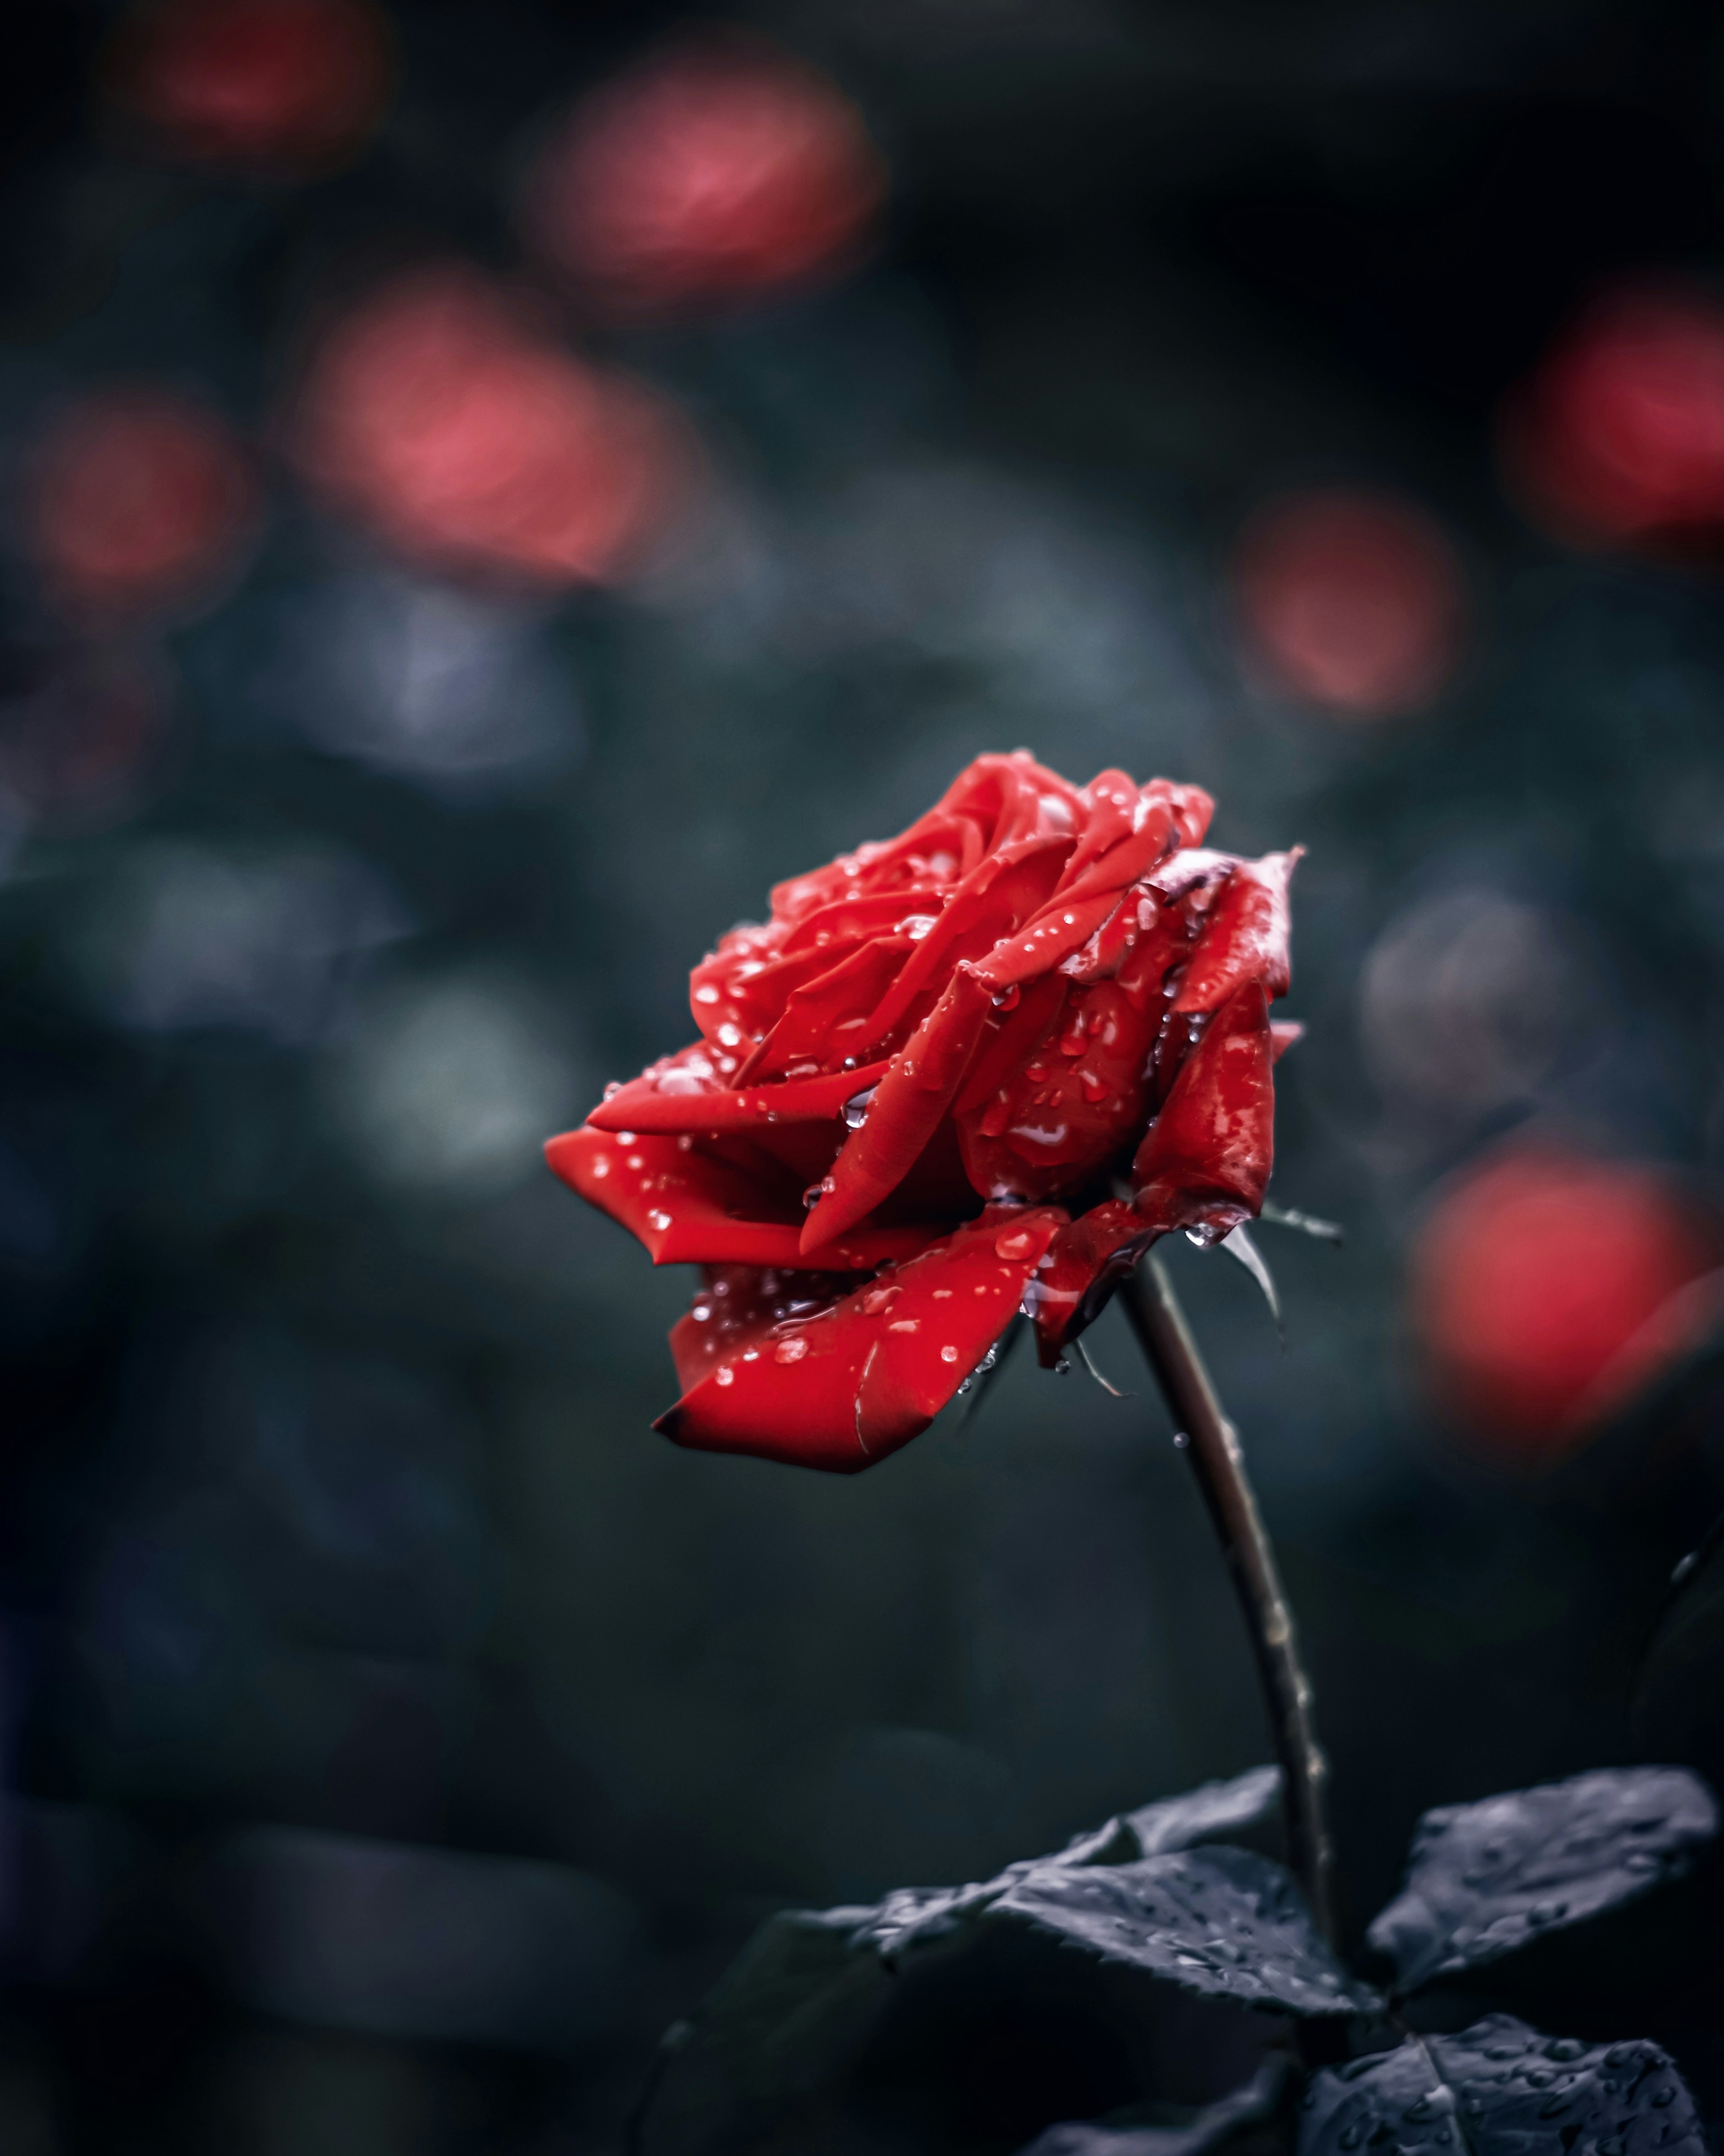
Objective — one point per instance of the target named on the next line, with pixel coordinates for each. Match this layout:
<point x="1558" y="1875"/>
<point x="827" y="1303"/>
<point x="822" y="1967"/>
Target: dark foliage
<point x="792" y="2024"/>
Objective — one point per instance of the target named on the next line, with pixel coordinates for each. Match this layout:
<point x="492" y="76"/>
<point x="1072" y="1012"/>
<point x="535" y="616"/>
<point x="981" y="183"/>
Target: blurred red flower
<point x="711" y="173"/>
<point x="1351" y="601"/>
<point x="1619" y="434"/>
<point x="289" y="82"/>
<point x="1547" y="1287"/>
<point x="983" y="1064"/>
<point x="136" y="499"/>
<point x="438" y="416"/>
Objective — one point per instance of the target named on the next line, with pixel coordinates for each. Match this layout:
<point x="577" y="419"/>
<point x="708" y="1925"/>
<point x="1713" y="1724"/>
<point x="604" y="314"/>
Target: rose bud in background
<point x="1546" y="1288"/>
<point x="1619" y="436"/>
<point x="714" y="172"/>
<point x="286" y="83"/>
<point x="1351" y="601"/>
<point x="980" y="1065"/>
<point x="135" y="501"/>
<point x="436" y="415"/>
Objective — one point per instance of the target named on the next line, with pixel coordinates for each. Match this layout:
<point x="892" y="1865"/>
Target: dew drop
<point x="706" y="994"/>
<point x="856" y="1108"/>
<point x="701" y="1312"/>
<point x="660" y="1220"/>
<point x="634" y="1160"/>
<point x="1062" y="1368"/>
<point x="948" y="1353"/>
<point x="727" y="1376"/>
<point x="792" y="1350"/>
<point x="1014" y="1243"/>
<point x="625" y="1137"/>
<point x="1180" y="1440"/>
<point x="601" y="1168"/>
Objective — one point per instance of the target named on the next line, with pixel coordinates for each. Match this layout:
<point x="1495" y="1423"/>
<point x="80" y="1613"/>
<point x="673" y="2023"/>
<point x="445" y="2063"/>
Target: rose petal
<point x="687" y="1209"/>
<point x="855" y="1382"/>
<point x="1135" y="854"/>
<point x="676" y="1100"/>
<point x="1209" y="1154"/>
<point x="907" y="1106"/>
<point x="1054" y="933"/>
<point x="1070" y="1111"/>
<point x="1245" y="937"/>
<point x="1085" y="1262"/>
<point x="827" y="1016"/>
<point x="735" y="1304"/>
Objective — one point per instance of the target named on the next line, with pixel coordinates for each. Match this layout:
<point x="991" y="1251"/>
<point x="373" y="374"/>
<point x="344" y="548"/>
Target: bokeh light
<point x="714" y="171"/>
<point x="1547" y="1287"/>
<point x="1619" y="436"/>
<point x="272" y="82"/>
<point x="137" y="500"/>
<point x="1353" y="601"/>
<point x="80" y="728"/>
<point x="438" y="416"/>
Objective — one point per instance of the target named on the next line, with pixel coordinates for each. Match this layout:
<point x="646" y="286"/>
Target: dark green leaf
<point x="1199" y="2133"/>
<point x="1484" y="1879"/>
<point x="1501" y="2089"/>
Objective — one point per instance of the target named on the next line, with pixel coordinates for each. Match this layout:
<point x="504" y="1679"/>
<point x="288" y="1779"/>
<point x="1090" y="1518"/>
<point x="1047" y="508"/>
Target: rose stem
<point x="1213" y="1449"/>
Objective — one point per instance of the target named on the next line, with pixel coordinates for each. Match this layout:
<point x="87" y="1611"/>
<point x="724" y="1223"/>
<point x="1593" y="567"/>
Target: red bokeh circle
<point x="287" y="82"/>
<point x="1547" y="1287"/>
<point x="434" y="413"/>
<point x="1618" y="435"/>
<point x="137" y="500"/>
<point x="1351" y="601"/>
<point x="714" y="171"/>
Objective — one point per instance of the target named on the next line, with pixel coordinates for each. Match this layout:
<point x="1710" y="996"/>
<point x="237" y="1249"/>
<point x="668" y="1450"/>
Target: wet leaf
<point x="1501" y="2089"/>
<point x="1222" y="1922"/>
<point x="1484" y="1879"/>
<point x="1212" y="2128"/>
<point x="799" y="2006"/>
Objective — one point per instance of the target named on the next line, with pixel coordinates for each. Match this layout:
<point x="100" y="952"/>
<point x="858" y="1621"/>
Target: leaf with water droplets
<point x="803" y="2001"/>
<point x="1221" y="1923"/>
<point x="1484" y="1879"/>
<point x="1197" y="2134"/>
<point x="1501" y="2089"/>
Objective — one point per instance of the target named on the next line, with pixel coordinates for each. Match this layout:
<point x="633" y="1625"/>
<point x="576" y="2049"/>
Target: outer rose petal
<point x="843" y="1389"/>
<point x="1245" y="937"/>
<point x="1085" y="1262"/>
<point x="1209" y="1154"/>
<point x="687" y="1209"/>
<point x="1204" y="1164"/>
<point x="674" y="1099"/>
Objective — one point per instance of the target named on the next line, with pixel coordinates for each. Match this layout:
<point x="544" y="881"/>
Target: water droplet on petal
<point x="727" y="1376"/>
<point x="1014" y="1243"/>
<point x="791" y="1350"/>
<point x="948" y="1353"/>
<point x="659" y="1221"/>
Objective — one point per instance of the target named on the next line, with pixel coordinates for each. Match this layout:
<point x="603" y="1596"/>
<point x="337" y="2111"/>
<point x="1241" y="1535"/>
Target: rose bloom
<point x="1619" y="434"/>
<point x="980" y="1065"/>
<point x="712" y="172"/>
<point x="1547" y="1288"/>
<point x="1350" y="601"/>
<point x="435" y="414"/>
<point x="135" y="498"/>
<point x="293" y="82"/>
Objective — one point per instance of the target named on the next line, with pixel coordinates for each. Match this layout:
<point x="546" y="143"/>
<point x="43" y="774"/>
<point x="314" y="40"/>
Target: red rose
<point x="979" y="1066"/>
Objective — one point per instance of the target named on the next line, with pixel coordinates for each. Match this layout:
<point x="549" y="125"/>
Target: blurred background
<point x="483" y="493"/>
